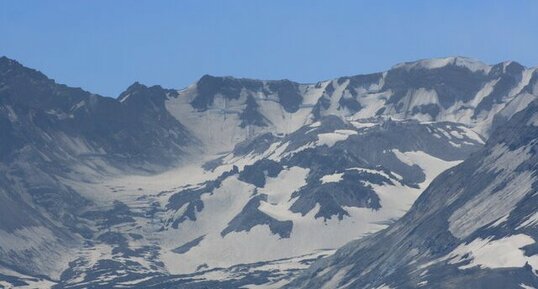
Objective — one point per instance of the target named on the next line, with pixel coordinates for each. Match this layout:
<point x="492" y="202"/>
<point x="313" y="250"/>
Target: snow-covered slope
<point x="316" y="188"/>
<point x="474" y="227"/>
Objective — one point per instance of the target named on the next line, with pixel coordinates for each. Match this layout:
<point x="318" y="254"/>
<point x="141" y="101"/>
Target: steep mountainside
<point x="474" y="227"/>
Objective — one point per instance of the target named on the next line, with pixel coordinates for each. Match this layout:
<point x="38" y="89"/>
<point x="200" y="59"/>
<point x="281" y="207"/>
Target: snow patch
<point x="329" y="139"/>
<point x="334" y="178"/>
<point x="430" y="165"/>
<point x="502" y="253"/>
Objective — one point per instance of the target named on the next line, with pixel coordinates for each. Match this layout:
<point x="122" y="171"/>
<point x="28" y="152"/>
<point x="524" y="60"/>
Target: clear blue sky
<point x="104" y="46"/>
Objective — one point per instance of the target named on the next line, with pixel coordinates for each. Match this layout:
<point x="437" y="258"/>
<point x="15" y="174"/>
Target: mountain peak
<point x="7" y="64"/>
<point x="4" y="60"/>
<point x="141" y="91"/>
<point x="136" y="86"/>
<point x="10" y="68"/>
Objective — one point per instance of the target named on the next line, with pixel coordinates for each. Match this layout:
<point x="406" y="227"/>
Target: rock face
<point x="474" y="227"/>
<point x="150" y="188"/>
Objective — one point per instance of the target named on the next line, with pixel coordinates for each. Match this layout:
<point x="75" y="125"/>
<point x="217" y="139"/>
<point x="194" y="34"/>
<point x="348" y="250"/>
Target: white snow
<point x="334" y="178"/>
<point x="431" y="166"/>
<point x="502" y="253"/>
<point x="219" y="208"/>
<point x="329" y="139"/>
<point x="315" y="124"/>
<point x="279" y="191"/>
<point x="128" y="187"/>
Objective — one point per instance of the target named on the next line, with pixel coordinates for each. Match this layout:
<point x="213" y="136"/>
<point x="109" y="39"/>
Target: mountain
<point x="454" y="89"/>
<point x="475" y="226"/>
<point x="229" y="182"/>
